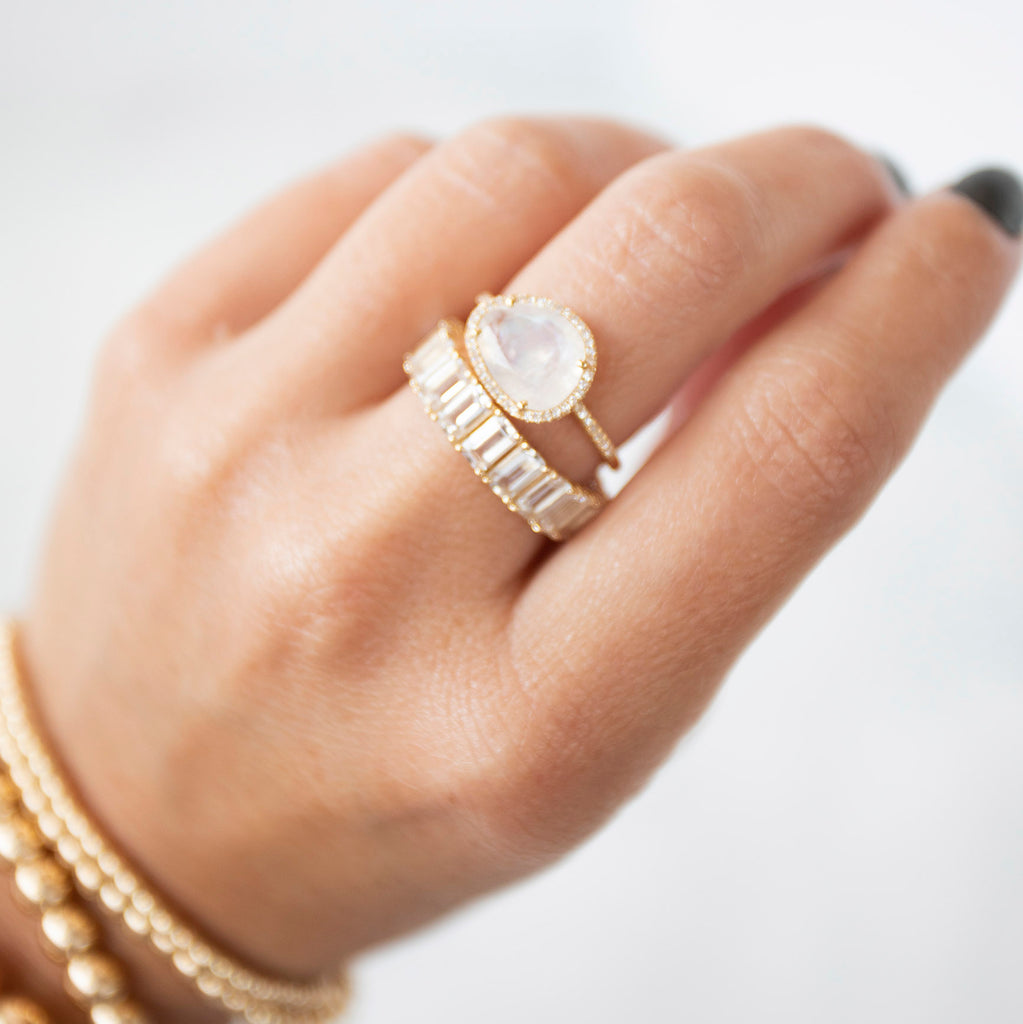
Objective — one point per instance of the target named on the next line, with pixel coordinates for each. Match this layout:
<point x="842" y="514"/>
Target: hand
<point x="309" y="674"/>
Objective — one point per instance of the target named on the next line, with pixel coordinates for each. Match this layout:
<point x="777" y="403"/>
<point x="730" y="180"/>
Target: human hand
<point x="313" y="678"/>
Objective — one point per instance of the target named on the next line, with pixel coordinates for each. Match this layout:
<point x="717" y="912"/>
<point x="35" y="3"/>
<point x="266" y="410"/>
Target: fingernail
<point x="895" y="172"/>
<point x="999" y="194"/>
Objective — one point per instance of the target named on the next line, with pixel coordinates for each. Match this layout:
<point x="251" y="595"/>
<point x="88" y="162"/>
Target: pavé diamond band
<point x="497" y="452"/>
<point x="536" y="359"/>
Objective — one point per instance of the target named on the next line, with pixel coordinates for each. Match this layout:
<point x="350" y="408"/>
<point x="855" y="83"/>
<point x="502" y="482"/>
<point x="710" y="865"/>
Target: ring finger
<point x="462" y="220"/>
<point x="665" y="265"/>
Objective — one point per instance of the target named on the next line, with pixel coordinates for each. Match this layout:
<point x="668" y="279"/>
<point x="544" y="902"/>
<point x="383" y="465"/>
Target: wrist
<point x="173" y="967"/>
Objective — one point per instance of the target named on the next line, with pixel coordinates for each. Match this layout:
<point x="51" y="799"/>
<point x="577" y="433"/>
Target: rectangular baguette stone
<point x="437" y="387"/>
<point x="450" y="399"/>
<point x="534" y="499"/>
<point x="489" y="442"/>
<point x="565" y="514"/>
<point x="466" y="411"/>
<point x="520" y="468"/>
<point x="429" y="356"/>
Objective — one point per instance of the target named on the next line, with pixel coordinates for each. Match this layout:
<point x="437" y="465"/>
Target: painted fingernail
<point x="895" y="172"/>
<point x="999" y="194"/>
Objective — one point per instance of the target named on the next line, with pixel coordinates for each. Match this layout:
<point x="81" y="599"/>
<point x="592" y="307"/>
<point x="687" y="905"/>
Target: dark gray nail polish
<point x="999" y="194"/>
<point x="895" y="172"/>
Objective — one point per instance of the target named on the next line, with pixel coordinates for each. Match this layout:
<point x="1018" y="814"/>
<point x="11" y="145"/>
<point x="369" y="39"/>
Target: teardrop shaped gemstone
<point x="535" y="354"/>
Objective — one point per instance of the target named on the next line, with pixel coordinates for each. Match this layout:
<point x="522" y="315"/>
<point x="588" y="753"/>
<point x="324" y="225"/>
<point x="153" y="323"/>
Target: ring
<point x="536" y="359"/>
<point x="452" y="395"/>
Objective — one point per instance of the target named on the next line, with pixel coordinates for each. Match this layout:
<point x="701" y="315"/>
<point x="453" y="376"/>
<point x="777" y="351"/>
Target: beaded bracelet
<point x="104" y="876"/>
<point x="93" y="979"/>
<point x="19" y="1010"/>
<point x="16" y="1009"/>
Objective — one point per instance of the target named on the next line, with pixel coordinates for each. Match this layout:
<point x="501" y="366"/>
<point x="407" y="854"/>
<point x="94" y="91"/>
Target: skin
<point x="308" y="674"/>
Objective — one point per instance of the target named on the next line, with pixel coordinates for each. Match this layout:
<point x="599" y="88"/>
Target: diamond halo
<point x="475" y="346"/>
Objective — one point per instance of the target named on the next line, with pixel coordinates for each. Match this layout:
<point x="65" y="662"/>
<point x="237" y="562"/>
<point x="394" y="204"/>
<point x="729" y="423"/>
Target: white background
<point x="842" y="838"/>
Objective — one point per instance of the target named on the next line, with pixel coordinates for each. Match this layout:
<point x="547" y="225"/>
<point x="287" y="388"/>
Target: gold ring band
<point x="452" y="396"/>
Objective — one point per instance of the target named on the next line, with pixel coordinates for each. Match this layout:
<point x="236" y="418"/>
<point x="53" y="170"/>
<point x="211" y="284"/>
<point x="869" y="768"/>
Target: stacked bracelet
<point x="93" y="979"/>
<point x="16" y="1009"/>
<point x="104" y="877"/>
<point x="19" y="1010"/>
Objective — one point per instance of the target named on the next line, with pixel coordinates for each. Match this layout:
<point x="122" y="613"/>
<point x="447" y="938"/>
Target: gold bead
<point x="19" y="841"/>
<point x="43" y="882"/>
<point x="88" y="875"/>
<point x="112" y="898"/>
<point x="16" y="1010"/>
<point x="69" y="929"/>
<point x="125" y="1012"/>
<point x="9" y="792"/>
<point x="95" y="977"/>
<point x="49" y="825"/>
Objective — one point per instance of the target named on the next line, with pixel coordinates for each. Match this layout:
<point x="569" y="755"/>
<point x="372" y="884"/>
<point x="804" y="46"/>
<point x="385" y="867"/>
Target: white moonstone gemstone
<point x="535" y="354"/>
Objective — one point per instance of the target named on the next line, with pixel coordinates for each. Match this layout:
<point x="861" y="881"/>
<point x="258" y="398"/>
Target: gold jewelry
<point x="93" y="979"/>
<point x="499" y="456"/>
<point x="536" y="359"/>
<point x="19" y="1010"/>
<point x="105" y="877"/>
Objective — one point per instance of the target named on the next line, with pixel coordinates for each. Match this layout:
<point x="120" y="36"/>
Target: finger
<point x="462" y="221"/>
<point x="667" y="264"/>
<point x="663" y="591"/>
<point x="702" y="380"/>
<point x="239" y="277"/>
<point x="680" y="253"/>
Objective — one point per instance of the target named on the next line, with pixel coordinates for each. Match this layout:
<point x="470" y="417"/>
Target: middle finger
<point x="680" y="253"/>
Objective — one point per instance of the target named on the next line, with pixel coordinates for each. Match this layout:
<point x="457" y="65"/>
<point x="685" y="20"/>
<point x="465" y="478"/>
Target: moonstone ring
<point x="536" y="359"/>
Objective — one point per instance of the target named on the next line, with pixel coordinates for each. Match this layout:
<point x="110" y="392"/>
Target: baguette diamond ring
<point x="474" y="424"/>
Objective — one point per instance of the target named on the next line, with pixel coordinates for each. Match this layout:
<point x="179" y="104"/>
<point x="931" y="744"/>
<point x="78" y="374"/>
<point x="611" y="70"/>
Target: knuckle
<point x="693" y="229"/>
<point x="131" y="376"/>
<point x="403" y="147"/>
<point x="192" y="463"/>
<point x="219" y="453"/>
<point x="501" y="155"/>
<point x="815" y="138"/>
<point x="838" y="159"/>
<point x="126" y="356"/>
<point x="818" y="436"/>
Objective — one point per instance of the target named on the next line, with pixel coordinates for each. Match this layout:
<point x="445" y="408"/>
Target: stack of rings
<point x="530" y="359"/>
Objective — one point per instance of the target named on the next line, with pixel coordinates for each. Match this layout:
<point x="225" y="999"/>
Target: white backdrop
<point x="842" y="838"/>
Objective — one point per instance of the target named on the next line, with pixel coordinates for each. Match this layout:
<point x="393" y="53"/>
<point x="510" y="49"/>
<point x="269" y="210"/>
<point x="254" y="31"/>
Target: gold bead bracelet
<point x="105" y="877"/>
<point x="94" y="980"/>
